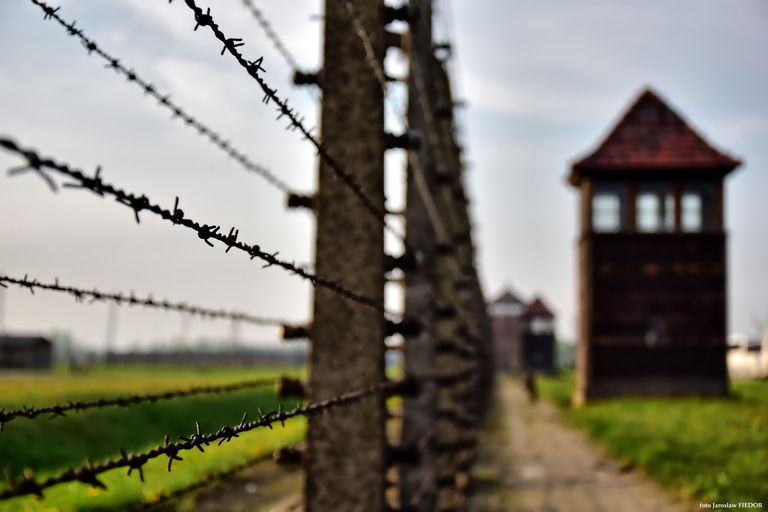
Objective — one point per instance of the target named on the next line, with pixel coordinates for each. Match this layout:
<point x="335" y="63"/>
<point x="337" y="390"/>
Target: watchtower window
<point x="541" y="325"/>
<point x="690" y="215"/>
<point x="608" y="207"/>
<point x="655" y="210"/>
<point x="507" y="309"/>
<point x="606" y="212"/>
<point x="655" y="333"/>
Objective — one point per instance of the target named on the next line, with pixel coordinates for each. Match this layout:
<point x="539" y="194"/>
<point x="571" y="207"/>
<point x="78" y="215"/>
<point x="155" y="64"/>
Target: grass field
<point x="48" y="446"/>
<point x="715" y="449"/>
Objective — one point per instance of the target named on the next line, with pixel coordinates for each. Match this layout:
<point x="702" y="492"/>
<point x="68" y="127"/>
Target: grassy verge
<point x="48" y="446"/>
<point x="715" y="449"/>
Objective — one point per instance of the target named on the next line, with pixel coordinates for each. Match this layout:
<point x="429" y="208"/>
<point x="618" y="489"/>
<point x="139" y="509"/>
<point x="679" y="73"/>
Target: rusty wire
<point x="370" y="56"/>
<point x="127" y="400"/>
<point x="378" y="72"/>
<point x="207" y="480"/>
<point x="165" y="101"/>
<point x="271" y="34"/>
<point x="427" y="481"/>
<point x="296" y="122"/>
<point x="88" y="474"/>
<point x="205" y="232"/>
<point x="130" y="299"/>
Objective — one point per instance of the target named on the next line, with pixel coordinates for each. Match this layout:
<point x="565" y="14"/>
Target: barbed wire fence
<point x="446" y="381"/>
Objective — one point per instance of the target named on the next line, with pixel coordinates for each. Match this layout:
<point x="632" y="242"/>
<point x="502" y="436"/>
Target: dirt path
<point x="532" y="462"/>
<point x="263" y="488"/>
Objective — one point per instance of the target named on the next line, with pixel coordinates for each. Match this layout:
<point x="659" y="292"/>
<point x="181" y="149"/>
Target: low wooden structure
<point x="34" y="352"/>
<point x="652" y="259"/>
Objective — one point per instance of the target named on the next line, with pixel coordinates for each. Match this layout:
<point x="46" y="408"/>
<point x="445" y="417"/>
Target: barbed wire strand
<point x="130" y="299"/>
<point x="165" y="101"/>
<point x="206" y="481"/>
<point x="378" y="72"/>
<point x="296" y="122"/>
<point x="427" y="481"/>
<point x="272" y="35"/>
<point x="205" y="232"/>
<point x="370" y="56"/>
<point x="127" y="400"/>
<point x="88" y="474"/>
<point x="435" y="219"/>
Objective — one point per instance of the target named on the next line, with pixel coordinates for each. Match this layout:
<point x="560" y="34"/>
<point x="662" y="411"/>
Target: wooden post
<point x="346" y="448"/>
<point x="631" y="198"/>
<point x="583" y="385"/>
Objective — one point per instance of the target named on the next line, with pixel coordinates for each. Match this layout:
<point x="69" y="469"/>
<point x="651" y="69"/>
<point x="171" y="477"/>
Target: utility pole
<point x="111" y="330"/>
<point x="2" y="309"/>
<point x="346" y="460"/>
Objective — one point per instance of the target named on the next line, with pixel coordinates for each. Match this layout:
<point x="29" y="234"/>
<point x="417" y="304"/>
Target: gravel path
<point x="537" y="464"/>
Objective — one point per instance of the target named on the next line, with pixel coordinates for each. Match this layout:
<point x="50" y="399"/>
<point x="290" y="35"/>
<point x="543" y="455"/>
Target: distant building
<point x="747" y="358"/>
<point x="507" y="319"/>
<point x="539" y="338"/>
<point x="652" y="260"/>
<point x="523" y="335"/>
<point x="25" y="352"/>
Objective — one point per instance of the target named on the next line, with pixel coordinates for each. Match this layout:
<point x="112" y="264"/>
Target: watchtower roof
<point x="507" y="298"/>
<point x="538" y="308"/>
<point x="651" y="136"/>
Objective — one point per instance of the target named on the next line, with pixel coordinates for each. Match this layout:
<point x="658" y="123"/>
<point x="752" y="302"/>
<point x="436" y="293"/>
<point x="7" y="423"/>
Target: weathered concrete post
<point x="346" y="448"/>
<point x="419" y="414"/>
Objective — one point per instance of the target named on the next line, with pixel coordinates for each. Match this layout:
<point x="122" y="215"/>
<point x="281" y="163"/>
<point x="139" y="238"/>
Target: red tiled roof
<point x="651" y="136"/>
<point x="537" y="308"/>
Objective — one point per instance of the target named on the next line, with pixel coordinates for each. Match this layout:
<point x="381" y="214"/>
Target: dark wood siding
<point x="673" y="284"/>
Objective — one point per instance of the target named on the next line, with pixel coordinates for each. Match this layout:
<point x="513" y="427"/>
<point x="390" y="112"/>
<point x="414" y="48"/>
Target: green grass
<point x="716" y="448"/>
<point x="48" y="446"/>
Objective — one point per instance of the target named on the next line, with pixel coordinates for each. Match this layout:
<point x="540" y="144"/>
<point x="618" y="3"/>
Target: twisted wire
<point x="165" y="101"/>
<point x="205" y="232"/>
<point x="254" y="68"/>
<point x="378" y="72"/>
<point x="127" y="400"/>
<point x="95" y="295"/>
<point x="435" y="219"/>
<point x="271" y="34"/>
<point x="427" y="481"/>
<point x="88" y="474"/>
<point x="209" y="479"/>
<point x="370" y="56"/>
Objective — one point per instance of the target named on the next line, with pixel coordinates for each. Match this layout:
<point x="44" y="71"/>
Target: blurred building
<point x="539" y="338"/>
<point x="748" y="358"/>
<point x="507" y="320"/>
<point x="25" y="352"/>
<point x="652" y="259"/>
<point x="523" y="335"/>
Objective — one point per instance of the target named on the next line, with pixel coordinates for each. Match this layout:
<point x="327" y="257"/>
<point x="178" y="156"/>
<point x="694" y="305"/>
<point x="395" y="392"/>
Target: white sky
<point x="544" y="82"/>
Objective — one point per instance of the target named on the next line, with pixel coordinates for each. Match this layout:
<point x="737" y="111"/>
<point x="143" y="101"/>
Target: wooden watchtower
<point x="539" y="338"/>
<point x="506" y="314"/>
<point x="652" y="260"/>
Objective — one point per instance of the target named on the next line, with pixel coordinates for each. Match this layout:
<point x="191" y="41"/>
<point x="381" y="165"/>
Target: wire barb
<point x="89" y="473"/>
<point x="129" y="400"/>
<point x="165" y="101"/>
<point x="296" y="122"/>
<point x="271" y="34"/>
<point x="205" y="232"/>
<point x="204" y="482"/>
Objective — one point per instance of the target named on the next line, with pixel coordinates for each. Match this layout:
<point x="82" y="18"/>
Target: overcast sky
<point x="543" y="81"/>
